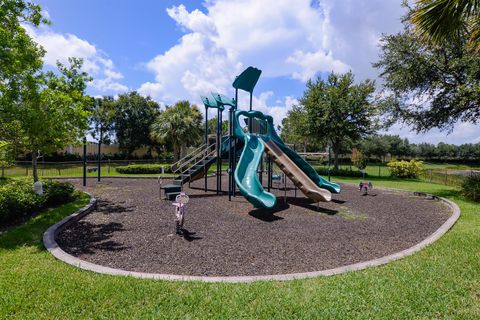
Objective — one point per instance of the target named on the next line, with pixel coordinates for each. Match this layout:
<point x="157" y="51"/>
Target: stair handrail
<point x="200" y="154"/>
<point x="199" y="161"/>
<point x="192" y="157"/>
<point x="189" y="154"/>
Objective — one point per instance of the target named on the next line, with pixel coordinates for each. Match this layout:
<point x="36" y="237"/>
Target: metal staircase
<point x="195" y="165"/>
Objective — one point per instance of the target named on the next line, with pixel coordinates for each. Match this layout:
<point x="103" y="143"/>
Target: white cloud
<point x="193" y="67"/>
<point x="46" y="14"/>
<point x="59" y="47"/>
<point x="284" y="38"/>
<point x="311" y="62"/>
<point x="261" y="103"/>
<point x="462" y="133"/>
<point x="195" y="21"/>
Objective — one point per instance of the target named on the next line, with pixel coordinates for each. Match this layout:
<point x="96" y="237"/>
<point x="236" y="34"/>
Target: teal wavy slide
<point x="302" y="164"/>
<point x="246" y="175"/>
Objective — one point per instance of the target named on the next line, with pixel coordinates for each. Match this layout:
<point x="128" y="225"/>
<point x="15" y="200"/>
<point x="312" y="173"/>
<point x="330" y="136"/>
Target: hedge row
<point x="340" y="172"/>
<point x="144" y="168"/>
<point x="18" y="201"/>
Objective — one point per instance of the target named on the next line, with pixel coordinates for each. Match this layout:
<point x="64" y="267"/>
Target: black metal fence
<point x="451" y="177"/>
<point x="69" y="169"/>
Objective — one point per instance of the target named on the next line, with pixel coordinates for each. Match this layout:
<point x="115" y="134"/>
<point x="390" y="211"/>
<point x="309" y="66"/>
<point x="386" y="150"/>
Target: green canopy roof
<point x="224" y="100"/>
<point x="247" y="79"/>
<point x="211" y="103"/>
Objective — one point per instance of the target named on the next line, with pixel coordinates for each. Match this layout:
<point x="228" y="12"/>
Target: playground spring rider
<point x="365" y="187"/>
<point x="180" y="201"/>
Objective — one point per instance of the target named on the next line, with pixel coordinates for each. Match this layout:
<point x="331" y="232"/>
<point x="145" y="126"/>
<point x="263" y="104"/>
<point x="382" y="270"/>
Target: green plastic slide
<point x="246" y="175"/>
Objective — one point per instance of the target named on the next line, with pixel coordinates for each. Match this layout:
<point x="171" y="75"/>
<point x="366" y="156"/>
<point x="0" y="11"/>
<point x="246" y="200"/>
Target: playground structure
<point x="257" y="137"/>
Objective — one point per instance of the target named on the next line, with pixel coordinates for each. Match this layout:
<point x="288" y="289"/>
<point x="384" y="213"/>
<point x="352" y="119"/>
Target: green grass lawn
<point x="440" y="282"/>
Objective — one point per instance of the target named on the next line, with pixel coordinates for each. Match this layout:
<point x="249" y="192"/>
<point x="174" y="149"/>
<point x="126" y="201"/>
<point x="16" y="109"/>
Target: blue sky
<point x="174" y="50"/>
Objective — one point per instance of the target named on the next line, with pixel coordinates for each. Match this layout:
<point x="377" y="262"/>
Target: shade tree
<point x="179" y="126"/>
<point x="427" y="85"/>
<point x="133" y="117"/>
<point x="339" y="112"/>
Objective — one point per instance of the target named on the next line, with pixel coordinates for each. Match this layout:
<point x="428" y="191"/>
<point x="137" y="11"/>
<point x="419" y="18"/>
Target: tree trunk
<point x="176" y="152"/>
<point x="336" y="151"/>
<point x="35" y="165"/>
<point x="183" y="150"/>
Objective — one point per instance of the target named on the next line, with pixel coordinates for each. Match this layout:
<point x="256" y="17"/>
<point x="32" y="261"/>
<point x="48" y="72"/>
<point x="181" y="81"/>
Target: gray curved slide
<point x="297" y="175"/>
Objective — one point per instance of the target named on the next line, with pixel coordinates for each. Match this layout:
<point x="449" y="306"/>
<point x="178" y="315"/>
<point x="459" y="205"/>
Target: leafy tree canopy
<point x="428" y="86"/>
<point x="56" y="113"/>
<point x="20" y="56"/>
<point x="179" y="126"/>
<point x="102" y="119"/>
<point x="212" y="125"/>
<point x="440" y="21"/>
<point x="339" y="111"/>
<point x="294" y="127"/>
<point x="134" y="115"/>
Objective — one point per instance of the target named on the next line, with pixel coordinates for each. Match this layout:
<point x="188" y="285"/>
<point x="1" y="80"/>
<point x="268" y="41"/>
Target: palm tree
<point x="180" y="126"/>
<point x="440" y="20"/>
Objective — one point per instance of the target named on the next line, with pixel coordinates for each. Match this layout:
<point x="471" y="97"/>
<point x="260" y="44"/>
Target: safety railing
<point x="190" y="162"/>
<point x="189" y="155"/>
<point x="211" y="153"/>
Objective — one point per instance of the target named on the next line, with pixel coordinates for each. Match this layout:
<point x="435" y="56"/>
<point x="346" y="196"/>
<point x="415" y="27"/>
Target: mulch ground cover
<point x="134" y="230"/>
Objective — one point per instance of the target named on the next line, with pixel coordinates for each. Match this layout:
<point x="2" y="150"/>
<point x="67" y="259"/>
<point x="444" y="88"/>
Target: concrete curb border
<point x="52" y="246"/>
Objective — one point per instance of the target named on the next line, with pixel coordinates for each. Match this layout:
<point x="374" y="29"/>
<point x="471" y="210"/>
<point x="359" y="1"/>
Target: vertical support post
<point x="84" y="161"/>
<point x="206" y="148"/>
<point x="251" y="94"/>
<point x="230" y="137"/>
<point x="99" y="156"/>
<point x="269" y="173"/>
<point x="218" y="150"/>
<point x="234" y="162"/>
<point x="250" y="122"/>
<point x="328" y="162"/>
<point x="260" y="173"/>
<point x="220" y="144"/>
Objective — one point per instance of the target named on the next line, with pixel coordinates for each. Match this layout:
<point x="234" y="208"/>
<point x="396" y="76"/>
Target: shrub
<point x="471" y="187"/>
<point x="144" y="169"/>
<point x="57" y="192"/>
<point x="339" y="173"/>
<point x="405" y="169"/>
<point x="359" y="159"/>
<point x="18" y="201"/>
